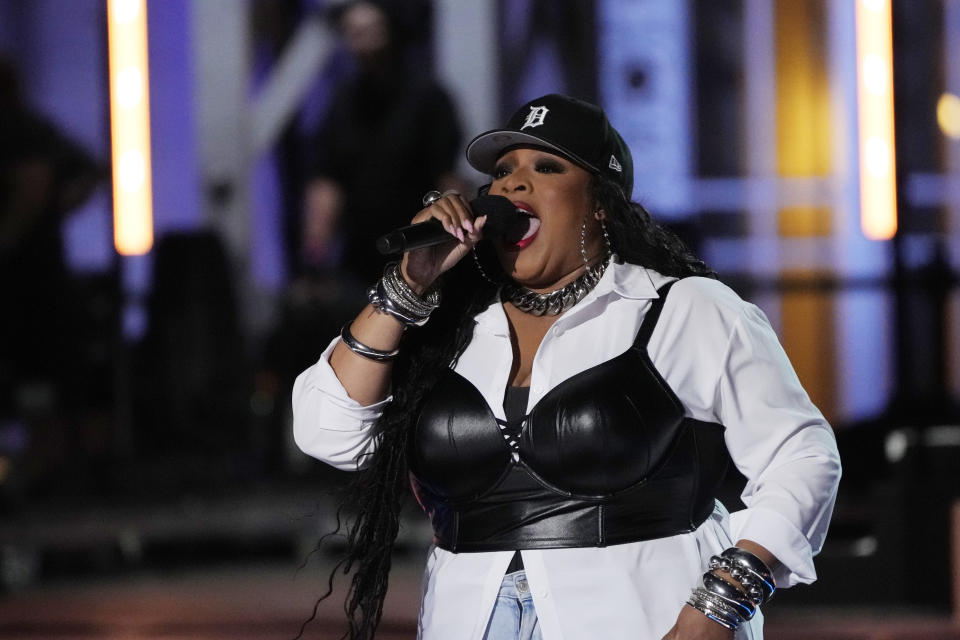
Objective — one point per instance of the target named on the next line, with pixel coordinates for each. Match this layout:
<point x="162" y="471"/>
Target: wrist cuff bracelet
<point x="730" y="594"/>
<point x="751" y="572"/>
<point x="714" y="608"/>
<point x="363" y="350"/>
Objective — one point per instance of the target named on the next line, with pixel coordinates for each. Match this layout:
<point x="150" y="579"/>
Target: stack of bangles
<point x="733" y="604"/>
<point x="393" y="296"/>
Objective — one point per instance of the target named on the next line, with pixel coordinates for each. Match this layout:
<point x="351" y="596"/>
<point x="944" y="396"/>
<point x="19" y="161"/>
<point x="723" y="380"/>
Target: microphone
<point x="501" y="216"/>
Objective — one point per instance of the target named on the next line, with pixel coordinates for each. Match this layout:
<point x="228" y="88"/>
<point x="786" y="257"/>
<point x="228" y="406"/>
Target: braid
<point x="378" y="491"/>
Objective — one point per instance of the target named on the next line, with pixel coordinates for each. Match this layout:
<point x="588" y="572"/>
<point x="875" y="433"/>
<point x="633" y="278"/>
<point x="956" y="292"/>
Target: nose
<point x="516" y="181"/>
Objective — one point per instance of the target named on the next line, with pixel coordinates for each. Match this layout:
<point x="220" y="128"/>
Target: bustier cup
<point x="606" y="456"/>
<point x="596" y="433"/>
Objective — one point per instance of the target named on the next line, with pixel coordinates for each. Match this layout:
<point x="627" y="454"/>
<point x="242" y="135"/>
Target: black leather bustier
<point x="605" y="457"/>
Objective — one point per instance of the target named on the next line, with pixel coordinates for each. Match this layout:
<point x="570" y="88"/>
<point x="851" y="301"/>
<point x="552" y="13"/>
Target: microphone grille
<point x="499" y="210"/>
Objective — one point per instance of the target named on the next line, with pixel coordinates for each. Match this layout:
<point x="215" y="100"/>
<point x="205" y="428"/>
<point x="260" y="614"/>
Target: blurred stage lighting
<point x="948" y="115"/>
<point x="878" y="191"/>
<point x="130" y="126"/>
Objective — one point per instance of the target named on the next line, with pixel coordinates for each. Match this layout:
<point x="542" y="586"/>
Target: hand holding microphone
<point x="499" y="211"/>
<point x="430" y="241"/>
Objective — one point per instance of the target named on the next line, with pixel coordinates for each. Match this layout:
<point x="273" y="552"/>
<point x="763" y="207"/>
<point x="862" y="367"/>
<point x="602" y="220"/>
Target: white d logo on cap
<point x="535" y="118"/>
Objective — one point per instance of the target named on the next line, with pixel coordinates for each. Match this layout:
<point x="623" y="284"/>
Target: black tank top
<point x="605" y="457"/>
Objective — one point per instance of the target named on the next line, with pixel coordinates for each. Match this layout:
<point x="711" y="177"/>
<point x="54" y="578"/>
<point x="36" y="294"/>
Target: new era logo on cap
<point x="613" y="164"/>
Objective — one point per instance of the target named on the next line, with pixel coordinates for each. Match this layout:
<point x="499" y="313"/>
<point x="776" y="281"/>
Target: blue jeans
<point x="513" y="617"/>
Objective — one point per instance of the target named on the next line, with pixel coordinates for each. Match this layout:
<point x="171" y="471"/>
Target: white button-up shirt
<point x="724" y="362"/>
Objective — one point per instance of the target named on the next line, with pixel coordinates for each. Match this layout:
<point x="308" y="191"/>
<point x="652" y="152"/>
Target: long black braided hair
<point x="377" y="493"/>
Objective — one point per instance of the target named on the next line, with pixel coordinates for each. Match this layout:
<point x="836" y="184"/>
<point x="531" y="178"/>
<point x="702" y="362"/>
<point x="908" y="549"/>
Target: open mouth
<point x="524" y="230"/>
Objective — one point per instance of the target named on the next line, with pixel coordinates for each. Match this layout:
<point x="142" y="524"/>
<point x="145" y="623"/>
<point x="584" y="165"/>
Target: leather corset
<point x="605" y="457"/>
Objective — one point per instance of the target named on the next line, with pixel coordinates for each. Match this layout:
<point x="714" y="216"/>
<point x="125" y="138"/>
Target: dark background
<point x="149" y="486"/>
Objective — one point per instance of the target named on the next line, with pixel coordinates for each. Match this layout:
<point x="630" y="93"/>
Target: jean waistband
<point x="515" y="585"/>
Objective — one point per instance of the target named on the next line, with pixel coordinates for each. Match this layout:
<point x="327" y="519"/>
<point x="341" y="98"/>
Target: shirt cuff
<point x="780" y="537"/>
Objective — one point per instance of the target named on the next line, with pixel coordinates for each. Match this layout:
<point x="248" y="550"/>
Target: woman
<point x="568" y="448"/>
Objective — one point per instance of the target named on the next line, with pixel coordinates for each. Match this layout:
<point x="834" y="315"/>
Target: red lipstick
<point x="526" y="230"/>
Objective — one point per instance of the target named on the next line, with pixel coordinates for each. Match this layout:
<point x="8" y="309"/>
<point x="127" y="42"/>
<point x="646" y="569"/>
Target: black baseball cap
<point x="575" y="129"/>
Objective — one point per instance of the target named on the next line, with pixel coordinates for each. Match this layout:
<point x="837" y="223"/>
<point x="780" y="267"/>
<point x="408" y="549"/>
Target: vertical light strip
<point x="803" y="154"/>
<point x="878" y="190"/>
<point x="653" y="116"/>
<point x="130" y="126"/>
<point x="951" y="70"/>
<point x="804" y="147"/>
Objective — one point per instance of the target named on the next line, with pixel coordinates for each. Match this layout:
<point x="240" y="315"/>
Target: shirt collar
<point x="628" y="281"/>
<point x="624" y="280"/>
<point x="493" y="319"/>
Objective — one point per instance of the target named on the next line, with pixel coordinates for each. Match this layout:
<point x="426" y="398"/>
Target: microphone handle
<point x="500" y="212"/>
<point x="414" y="236"/>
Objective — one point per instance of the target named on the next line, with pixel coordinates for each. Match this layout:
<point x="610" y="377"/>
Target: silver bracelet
<point x="717" y="602"/>
<point x="745" y="607"/>
<point x="751" y="572"/>
<point x="384" y="304"/>
<point x="363" y="350"/>
<point x="422" y="304"/>
<point x="714" y="609"/>
<point x="392" y="295"/>
<point x="400" y="292"/>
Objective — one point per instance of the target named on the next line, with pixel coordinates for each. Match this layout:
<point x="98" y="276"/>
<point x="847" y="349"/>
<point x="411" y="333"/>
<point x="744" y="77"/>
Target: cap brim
<point x="483" y="151"/>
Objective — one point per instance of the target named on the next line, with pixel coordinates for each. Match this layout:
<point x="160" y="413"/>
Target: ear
<point x="599" y="214"/>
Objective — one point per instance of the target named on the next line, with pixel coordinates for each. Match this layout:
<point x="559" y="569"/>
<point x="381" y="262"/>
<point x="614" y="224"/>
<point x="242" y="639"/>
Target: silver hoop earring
<point x="606" y="240"/>
<point x="476" y="261"/>
<point x="583" y="243"/>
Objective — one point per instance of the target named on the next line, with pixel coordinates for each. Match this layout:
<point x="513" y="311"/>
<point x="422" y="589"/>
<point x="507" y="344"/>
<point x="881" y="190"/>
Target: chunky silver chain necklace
<point x="555" y="302"/>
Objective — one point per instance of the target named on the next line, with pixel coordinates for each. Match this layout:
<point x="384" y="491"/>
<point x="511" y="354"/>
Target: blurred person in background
<point x="390" y="134"/>
<point x="566" y="415"/>
<point x="44" y="175"/>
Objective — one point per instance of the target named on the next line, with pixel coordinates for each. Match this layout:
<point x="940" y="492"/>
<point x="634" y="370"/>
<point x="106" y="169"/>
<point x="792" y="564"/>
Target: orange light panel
<point x="130" y="126"/>
<point x="878" y="190"/>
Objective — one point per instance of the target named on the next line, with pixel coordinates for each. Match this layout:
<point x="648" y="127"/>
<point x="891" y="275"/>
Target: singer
<point x="562" y="402"/>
